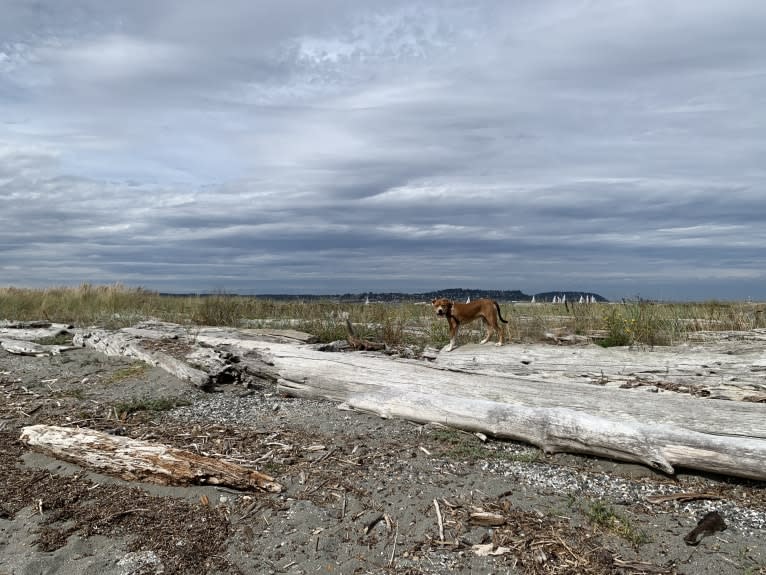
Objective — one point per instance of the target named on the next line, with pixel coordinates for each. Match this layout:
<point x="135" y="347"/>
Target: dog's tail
<point x="497" y="305"/>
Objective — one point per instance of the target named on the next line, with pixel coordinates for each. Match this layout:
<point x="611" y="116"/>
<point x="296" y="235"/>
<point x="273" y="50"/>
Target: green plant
<point x="438" y="334"/>
<point x="133" y="370"/>
<point x="604" y="516"/>
<point x="619" y="330"/>
<point x="125" y="408"/>
<point x="466" y="446"/>
<point x="75" y="392"/>
<point x="218" y="309"/>
<point x="326" y="330"/>
<point x="639" y="322"/>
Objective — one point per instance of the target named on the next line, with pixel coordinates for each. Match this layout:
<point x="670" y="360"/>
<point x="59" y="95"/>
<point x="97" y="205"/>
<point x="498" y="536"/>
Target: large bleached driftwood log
<point x="662" y="430"/>
<point x="132" y="459"/>
<point x="562" y="399"/>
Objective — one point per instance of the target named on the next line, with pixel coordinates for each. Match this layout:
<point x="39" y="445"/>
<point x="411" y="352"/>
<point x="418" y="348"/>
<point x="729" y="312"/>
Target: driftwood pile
<point x="696" y="406"/>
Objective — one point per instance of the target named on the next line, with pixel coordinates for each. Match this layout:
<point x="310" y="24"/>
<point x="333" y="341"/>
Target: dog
<point x="459" y="313"/>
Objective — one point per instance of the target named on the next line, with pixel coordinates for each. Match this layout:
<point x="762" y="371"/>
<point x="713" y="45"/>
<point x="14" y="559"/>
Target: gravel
<point x="517" y="465"/>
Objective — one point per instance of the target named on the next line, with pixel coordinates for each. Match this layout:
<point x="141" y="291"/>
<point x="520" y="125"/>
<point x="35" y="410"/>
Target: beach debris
<point x="711" y="523"/>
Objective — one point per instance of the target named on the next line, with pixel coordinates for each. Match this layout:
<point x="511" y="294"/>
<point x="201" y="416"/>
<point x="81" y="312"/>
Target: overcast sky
<point x="345" y="146"/>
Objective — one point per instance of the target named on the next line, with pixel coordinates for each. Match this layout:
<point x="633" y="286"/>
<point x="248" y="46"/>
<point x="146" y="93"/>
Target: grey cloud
<point x="303" y="146"/>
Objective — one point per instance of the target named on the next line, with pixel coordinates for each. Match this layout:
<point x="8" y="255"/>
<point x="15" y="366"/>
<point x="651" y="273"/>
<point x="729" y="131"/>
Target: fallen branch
<point x="361" y="344"/>
<point x="681" y="497"/>
<point x="525" y="394"/>
<point x="133" y="459"/>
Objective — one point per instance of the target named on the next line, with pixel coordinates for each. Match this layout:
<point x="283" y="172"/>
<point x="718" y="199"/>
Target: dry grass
<point x="627" y="323"/>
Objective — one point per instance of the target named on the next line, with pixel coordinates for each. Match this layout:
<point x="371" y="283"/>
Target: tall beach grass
<point x="631" y="322"/>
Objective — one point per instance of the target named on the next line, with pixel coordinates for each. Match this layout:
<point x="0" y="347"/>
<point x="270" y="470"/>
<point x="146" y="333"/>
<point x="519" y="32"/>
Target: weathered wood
<point x="557" y="429"/>
<point x="132" y="459"/>
<point x="34" y="324"/>
<point x="205" y="367"/>
<point x="125" y="344"/>
<point x="19" y="347"/>
<point x="159" y="330"/>
<point x="558" y="398"/>
<point x="660" y="430"/>
<point x="32" y="330"/>
<point x="727" y="370"/>
<point x="20" y="338"/>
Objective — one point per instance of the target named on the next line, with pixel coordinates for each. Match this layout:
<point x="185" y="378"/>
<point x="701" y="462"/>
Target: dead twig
<point x="370" y="524"/>
<point x="250" y="509"/>
<point x="361" y="344"/>
<point x="681" y="497"/>
<point x="121" y="513"/>
<point x="393" y="551"/>
<point x="643" y="567"/>
<point x="325" y="455"/>
<point x="439" y="520"/>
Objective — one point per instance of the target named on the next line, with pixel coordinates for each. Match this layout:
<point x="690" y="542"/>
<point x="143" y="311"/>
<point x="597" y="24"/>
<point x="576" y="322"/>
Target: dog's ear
<point x="433" y="301"/>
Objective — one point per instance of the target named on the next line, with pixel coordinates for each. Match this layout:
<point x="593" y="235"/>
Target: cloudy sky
<point x="336" y="146"/>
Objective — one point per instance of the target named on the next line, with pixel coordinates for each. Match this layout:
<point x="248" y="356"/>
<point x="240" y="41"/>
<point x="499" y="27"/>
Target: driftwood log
<point x="132" y="459"/>
<point x="663" y="430"/>
<point x="19" y="347"/>
<point x="203" y="367"/>
<point x="129" y="345"/>
<point x="19" y="337"/>
<point x="649" y="406"/>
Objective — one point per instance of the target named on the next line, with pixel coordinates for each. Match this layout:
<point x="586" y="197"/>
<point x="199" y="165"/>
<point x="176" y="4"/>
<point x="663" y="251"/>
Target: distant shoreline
<point x="568" y="296"/>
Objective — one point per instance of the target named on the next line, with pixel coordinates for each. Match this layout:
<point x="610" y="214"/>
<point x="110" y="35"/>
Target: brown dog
<point x="458" y="313"/>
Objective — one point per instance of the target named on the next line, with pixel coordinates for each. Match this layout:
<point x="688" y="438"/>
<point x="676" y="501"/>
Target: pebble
<point x="248" y="410"/>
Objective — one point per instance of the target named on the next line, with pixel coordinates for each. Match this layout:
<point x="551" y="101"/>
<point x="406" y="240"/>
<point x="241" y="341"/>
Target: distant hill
<point x="457" y="294"/>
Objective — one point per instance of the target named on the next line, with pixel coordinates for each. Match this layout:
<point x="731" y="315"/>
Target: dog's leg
<point x="489" y="332"/>
<point x="453" y="327"/>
